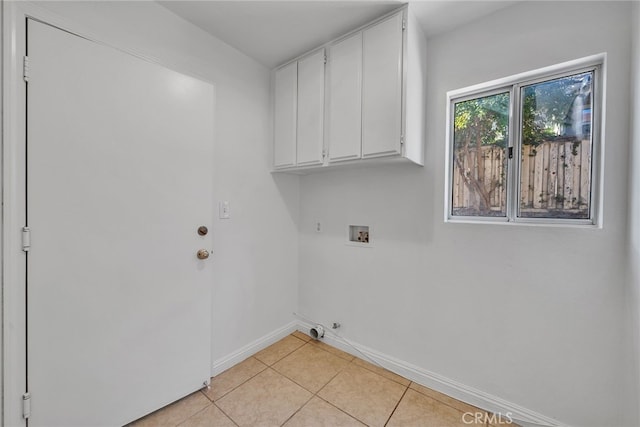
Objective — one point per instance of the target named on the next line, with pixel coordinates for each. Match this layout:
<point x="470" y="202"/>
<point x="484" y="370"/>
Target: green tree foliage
<point x="480" y="122"/>
<point x="549" y="110"/>
<point x="548" y="107"/>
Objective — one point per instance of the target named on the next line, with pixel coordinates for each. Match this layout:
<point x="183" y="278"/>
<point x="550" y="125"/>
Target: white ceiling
<point x="439" y="16"/>
<point x="273" y="32"/>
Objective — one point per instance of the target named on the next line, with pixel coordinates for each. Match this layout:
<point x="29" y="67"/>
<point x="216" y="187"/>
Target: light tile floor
<point x="300" y="382"/>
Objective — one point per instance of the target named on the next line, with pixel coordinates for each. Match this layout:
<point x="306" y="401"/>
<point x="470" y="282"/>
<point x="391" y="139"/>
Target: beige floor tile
<point x="332" y="350"/>
<point x="417" y="410"/>
<point x="365" y="395"/>
<point x="301" y="335"/>
<point x="268" y="399"/>
<point x="455" y="403"/>
<point x="277" y="351"/>
<point x="379" y="370"/>
<point x="311" y="367"/>
<point x="223" y="383"/>
<point x="175" y="413"/>
<point x="211" y="416"/>
<point x="318" y="413"/>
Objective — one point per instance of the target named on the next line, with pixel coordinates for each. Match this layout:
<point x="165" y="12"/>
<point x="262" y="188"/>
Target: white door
<point x="345" y="106"/>
<point x="285" y="116"/>
<point x="119" y="179"/>
<point x="382" y="88"/>
<point x="310" y="109"/>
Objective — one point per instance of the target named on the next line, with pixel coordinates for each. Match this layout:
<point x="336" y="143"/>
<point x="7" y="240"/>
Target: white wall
<point x="633" y="298"/>
<point x="530" y="314"/>
<point x="255" y="288"/>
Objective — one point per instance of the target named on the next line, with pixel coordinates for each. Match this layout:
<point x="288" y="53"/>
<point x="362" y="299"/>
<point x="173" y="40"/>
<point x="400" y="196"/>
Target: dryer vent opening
<point x="316" y="332"/>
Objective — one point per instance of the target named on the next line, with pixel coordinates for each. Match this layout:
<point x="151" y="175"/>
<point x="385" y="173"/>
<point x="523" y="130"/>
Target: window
<point x="524" y="149"/>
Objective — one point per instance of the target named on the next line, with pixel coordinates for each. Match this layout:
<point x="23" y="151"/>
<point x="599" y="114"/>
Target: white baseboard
<point x="523" y="416"/>
<point x="252" y="348"/>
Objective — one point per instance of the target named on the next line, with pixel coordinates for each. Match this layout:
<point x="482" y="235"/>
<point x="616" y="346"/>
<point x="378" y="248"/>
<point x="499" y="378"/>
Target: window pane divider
<point x="513" y="164"/>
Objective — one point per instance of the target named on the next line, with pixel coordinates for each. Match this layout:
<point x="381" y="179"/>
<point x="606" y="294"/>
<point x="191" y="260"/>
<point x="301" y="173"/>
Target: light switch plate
<point x="224" y="210"/>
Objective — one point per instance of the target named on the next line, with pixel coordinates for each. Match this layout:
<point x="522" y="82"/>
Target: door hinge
<point x="26" y="405"/>
<point x="25" y="68"/>
<point x="404" y="24"/>
<point x="324" y="154"/>
<point x="26" y="239"/>
<point x="325" y="58"/>
<point x="401" y="139"/>
<point x="511" y="152"/>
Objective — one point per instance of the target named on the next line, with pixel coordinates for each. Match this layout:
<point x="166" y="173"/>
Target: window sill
<point x="523" y="222"/>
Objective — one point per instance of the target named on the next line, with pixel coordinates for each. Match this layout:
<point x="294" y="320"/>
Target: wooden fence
<point x="555" y="176"/>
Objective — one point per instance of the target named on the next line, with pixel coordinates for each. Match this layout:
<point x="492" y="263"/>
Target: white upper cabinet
<point x="344" y="99"/>
<point x="311" y="109"/>
<point x="382" y="88"/>
<point x="285" y="116"/>
<point x="373" y="100"/>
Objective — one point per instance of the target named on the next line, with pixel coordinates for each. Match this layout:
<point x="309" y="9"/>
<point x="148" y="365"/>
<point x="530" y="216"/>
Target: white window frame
<point x="513" y="85"/>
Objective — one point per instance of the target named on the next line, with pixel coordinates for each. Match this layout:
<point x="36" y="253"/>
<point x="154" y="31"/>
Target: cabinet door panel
<point x="382" y="88"/>
<point x="310" y="109"/>
<point x="284" y="146"/>
<point x="345" y="108"/>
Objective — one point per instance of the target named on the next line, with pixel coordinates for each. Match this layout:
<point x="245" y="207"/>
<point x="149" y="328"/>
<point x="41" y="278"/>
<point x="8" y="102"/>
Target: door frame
<point x="13" y="355"/>
<point x="13" y="213"/>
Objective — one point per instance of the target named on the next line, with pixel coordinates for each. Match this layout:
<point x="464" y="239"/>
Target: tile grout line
<point x="212" y="401"/>
<point x="227" y="415"/>
<point x="323" y="349"/>
<point x="295" y="349"/>
<point x="294" y="381"/>
<point x="299" y="385"/>
<point x="391" y="379"/>
<point x="297" y="410"/>
<point x="242" y="383"/>
<point x="267" y="367"/>
<point x="340" y="409"/>
<point x="308" y="338"/>
<point x="352" y="361"/>
<point x="397" y="404"/>
<point x="321" y="388"/>
<point x="327" y="383"/>
<point x="194" y="414"/>
<point x="285" y="377"/>
<point x="205" y="395"/>
<point x="353" y="358"/>
<point x="332" y="378"/>
<point x="343" y="411"/>
<point x="442" y="402"/>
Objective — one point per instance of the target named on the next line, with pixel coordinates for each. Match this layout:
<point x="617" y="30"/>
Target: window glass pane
<point x="479" y="180"/>
<point x="555" y="173"/>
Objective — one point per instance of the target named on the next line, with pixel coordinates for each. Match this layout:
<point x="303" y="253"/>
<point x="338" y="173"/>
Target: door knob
<point x="203" y="254"/>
